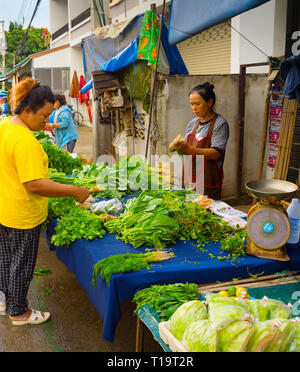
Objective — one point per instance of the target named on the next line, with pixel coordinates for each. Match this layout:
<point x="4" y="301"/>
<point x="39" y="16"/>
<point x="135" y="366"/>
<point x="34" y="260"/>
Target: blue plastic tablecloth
<point x="189" y="265"/>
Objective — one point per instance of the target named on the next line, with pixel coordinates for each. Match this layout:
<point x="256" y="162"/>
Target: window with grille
<point x="58" y="79"/>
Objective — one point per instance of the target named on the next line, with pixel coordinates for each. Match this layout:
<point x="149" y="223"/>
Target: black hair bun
<point x="209" y="86"/>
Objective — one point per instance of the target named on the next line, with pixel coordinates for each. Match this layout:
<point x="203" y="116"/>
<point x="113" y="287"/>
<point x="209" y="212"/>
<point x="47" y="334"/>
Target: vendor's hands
<point x="180" y="146"/>
<point x="81" y="193"/>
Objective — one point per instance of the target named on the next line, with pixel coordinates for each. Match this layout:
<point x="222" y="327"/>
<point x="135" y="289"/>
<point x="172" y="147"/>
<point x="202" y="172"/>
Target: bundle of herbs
<point x="60" y="159"/>
<point x="42" y="137"/>
<point x="166" y="299"/>
<point x="234" y="245"/>
<point x="59" y="177"/>
<point x="146" y="221"/>
<point x="59" y="207"/>
<point x="158" y="219"/>
<point x="196" y="223"/>
<point x="77" y="224"/>
<point x="124" y="263"/>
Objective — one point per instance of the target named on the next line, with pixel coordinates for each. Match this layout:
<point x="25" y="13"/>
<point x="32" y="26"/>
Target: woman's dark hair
<point x="29" y="93"/>
<point x="61" y="99"/>
<point x="206" y="91"/>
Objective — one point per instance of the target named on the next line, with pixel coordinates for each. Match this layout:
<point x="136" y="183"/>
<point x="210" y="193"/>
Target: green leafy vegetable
<point x="124" y="263"/>
<point x="235" y="244"/>
<point x="186" y="314"/>
<point x="201" y="336"/>
<point x="77" y="224"/>
<point x="166" y="299"/>
<point x="60" y="159"/>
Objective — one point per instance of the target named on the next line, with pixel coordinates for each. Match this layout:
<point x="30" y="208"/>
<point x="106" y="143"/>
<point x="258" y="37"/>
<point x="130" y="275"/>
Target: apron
<point x="213" y="173"/>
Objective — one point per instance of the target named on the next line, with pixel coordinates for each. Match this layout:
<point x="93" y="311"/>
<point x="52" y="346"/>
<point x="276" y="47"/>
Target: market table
<point x="148" y="317"/>
<point x="189" y="265"/>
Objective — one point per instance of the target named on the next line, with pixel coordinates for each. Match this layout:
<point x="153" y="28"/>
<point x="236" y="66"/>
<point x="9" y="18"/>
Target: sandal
<point x="36" y="317"/>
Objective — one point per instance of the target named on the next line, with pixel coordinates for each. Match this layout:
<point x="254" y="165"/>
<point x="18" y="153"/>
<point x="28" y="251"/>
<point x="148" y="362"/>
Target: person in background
<point x="25" y="189"/>
<point x="62" y="121"/>
<point x="5" y="108"/>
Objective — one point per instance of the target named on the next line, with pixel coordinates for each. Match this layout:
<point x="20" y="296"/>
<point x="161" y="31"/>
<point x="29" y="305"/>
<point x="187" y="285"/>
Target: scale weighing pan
<point x="278" y="189"/>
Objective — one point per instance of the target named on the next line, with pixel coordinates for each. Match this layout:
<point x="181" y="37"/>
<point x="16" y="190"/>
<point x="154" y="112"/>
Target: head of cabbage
<point x="186" y="314"/>
<point x="201" y="336"/>
<point x="221" y="308"/>
<point x="294" y="346"/>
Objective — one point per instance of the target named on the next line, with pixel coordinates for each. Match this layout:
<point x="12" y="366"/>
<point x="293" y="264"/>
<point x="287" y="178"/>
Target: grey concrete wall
<point x="174" y="113"/>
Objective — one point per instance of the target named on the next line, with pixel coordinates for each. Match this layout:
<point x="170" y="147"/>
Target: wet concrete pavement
<point x="75" y="325"/>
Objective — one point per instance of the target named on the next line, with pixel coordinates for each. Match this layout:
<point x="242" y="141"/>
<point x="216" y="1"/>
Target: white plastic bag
<point x="112" y="206"/>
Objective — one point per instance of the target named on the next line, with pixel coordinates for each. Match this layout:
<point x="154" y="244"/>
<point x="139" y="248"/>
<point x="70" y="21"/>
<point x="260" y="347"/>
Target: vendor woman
<point x="207" y="135"/>
<point x="25" y="189"/>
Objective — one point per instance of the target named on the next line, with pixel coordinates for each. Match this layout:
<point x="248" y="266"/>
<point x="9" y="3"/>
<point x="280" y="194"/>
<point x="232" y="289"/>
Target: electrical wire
<point x="29" y="9"/>
<point x="26" y="8"/>
<point x="250" y="42"/>
<point x="21" y="47"/>
<point x="21" y="11"/>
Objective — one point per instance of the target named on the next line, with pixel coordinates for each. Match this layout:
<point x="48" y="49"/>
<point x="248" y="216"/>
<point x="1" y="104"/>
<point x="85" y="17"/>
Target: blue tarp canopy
<point x="190" y="17"/>
<point x="114" y="54"/>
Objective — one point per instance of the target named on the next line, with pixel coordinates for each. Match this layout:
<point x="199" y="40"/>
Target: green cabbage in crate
<point x="294" y="347"/>
<point x="186" y="314"/>
<point x="278" y="310"/>
<point x="235" y="336"/>
<point x="201" y="336"/>
<point x="268" y="309"/>
<point x="264" y="334"/>
<point x="221" y="308"/>
<point x="284" y="338"/>
<point x="259" y="310"/>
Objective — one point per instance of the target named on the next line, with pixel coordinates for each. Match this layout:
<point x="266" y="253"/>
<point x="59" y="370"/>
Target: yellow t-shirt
<point x="22" y="159"/>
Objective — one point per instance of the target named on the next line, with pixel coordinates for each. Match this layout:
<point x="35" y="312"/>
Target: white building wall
<point x="57" y="59"/>
<point x="58" y="14"/>
<point x="265" y="27"/>
<point x="78" y="6"/>
<point x="130" y="8"/>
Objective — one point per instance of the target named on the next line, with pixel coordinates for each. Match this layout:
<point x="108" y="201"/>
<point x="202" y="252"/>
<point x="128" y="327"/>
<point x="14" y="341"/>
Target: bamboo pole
<point x="249" y="280"/>
<point x="268" y="283"/>
<point x="282" y="142"/>
<point x="291" y="128"/>
<point x="154" y="85"/>
<point x="286" y="138"/>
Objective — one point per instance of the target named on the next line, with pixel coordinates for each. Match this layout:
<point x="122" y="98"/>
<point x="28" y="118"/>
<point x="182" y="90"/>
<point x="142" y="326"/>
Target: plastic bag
<point x="265" y="334"/>
<point x="201" y="336"/>
<point x="112" y="206"/>
<point x="235" y="336"/>
<point x="186" y="314"/>
<point x="294" y="347"/>
<point x="221" y="308"/>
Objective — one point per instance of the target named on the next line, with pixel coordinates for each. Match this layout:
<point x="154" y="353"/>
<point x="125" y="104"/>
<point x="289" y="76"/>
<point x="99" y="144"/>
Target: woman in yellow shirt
<point x="24" y="192"/>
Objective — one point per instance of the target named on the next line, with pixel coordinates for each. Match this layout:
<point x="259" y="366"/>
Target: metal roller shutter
<point x="208" y="52"/>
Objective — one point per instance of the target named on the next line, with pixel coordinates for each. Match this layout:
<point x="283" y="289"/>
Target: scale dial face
<point x="269" y="228"/>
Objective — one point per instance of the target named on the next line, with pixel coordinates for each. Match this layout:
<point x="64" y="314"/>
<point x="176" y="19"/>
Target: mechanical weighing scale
<point x="268" y="224"/>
